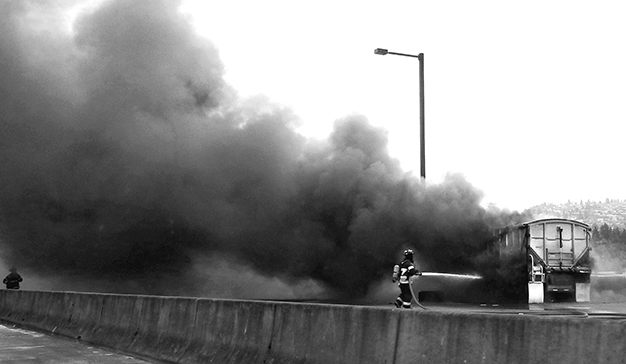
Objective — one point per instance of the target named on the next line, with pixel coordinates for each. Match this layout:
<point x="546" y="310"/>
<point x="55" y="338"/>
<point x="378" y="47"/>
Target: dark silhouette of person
<point x="13" y="279"/>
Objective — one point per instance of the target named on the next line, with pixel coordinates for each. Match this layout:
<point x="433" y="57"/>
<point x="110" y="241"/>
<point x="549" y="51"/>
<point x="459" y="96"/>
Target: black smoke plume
<point x="127" y="162"/>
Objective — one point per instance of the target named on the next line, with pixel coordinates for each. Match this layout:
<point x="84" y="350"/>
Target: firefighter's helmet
<point x="408" y="253"/>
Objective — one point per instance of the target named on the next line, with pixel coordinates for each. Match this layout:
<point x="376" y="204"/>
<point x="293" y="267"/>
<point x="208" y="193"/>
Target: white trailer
<point x="557" y="255"/>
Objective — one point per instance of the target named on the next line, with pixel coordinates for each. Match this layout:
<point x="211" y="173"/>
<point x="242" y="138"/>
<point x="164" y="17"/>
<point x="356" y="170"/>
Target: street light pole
<point x="422" y="116"/>
<point x="420" y="57"/>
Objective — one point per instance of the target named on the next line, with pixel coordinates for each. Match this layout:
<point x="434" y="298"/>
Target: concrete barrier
<point x="30" y="307"/>
<point x="307" y="333"/>
<point x="194" y="330"/>
<point x="228" y="331"/>
<point x="59" y="307"/>
<point x="84" y="316"/>
<point x="175" y="318"/>
<point x="490" y="338"/>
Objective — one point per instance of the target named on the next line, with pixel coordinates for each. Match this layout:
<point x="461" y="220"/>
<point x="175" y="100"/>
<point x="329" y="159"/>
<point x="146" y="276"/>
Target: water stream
<point x="451" y="275"/>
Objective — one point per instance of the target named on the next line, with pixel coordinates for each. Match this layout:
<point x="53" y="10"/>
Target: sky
<point x="525" y="99"/>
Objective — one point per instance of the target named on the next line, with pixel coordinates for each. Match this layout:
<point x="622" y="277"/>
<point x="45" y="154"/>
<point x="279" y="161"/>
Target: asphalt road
<point x="25" y="346"/>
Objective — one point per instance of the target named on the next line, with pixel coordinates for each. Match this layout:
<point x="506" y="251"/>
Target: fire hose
<point x="417" y="302"/>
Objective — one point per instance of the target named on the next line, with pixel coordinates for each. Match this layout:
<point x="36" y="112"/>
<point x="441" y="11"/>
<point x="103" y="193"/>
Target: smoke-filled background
<point x="127" y="164"/>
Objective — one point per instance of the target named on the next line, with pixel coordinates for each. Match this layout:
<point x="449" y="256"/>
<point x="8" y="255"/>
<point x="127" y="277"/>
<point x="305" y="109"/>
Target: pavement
<point x="25" y="346"/>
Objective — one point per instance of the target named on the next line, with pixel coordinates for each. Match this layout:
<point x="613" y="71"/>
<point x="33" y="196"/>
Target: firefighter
<point x="13" y="279"/>
<point x="405" y="271"/>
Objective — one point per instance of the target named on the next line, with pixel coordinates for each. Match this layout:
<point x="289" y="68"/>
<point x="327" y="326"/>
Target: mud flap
<point x="535" y="292"/>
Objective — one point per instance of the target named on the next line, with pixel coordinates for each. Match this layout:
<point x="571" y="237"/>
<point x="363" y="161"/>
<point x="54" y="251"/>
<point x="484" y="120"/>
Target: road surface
<point x="25" y="346"/>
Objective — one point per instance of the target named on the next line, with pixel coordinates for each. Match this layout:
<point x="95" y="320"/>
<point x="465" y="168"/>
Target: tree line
<point x="605" y="234"/>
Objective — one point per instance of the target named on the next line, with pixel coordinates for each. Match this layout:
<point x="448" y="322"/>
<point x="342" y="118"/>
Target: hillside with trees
<point x="595" y="213"/>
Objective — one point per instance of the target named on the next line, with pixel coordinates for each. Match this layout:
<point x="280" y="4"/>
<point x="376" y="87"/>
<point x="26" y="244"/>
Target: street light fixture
<point x="382" y="52"/>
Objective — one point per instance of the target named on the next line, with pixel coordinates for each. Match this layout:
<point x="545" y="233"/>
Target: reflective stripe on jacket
<point x="407" y="269"/>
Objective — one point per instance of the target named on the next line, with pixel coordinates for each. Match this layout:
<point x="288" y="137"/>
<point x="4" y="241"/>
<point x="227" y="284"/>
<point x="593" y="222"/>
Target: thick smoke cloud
<point x="126" y="158"/>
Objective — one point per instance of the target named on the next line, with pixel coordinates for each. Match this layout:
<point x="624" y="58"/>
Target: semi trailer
<point x="557" y="256"/>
